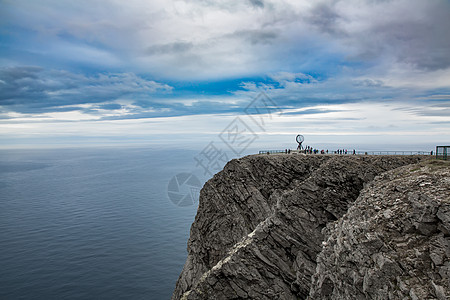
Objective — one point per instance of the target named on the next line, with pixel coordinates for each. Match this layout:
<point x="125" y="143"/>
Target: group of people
<point x="344" y="151"/>
<point x="311" y="150"/>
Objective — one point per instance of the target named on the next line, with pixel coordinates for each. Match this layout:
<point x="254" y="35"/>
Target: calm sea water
<point x="91" y="223"/>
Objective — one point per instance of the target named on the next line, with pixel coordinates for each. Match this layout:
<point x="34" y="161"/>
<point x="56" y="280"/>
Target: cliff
<point x="294" y="226"/>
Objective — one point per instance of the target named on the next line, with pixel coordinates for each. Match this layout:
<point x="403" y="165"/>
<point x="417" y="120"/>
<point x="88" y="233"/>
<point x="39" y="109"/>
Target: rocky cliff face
<point x="394" y="242"/>
<point x="261" y="230"/>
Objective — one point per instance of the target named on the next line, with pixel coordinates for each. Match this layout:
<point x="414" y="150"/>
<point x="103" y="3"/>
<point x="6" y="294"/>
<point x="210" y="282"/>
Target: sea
<point x="94" y="223"/>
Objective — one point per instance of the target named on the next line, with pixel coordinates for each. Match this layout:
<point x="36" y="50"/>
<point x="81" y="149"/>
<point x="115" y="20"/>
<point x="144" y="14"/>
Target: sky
<point x="371" y="74"/>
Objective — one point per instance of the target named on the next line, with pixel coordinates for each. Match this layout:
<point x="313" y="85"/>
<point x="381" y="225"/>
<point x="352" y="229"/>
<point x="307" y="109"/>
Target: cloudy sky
<point x="374" y="72"/>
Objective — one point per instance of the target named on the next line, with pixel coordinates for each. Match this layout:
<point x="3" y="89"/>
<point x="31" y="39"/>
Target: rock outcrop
<point x="394" y="242"/>
<point x="233" y="203"/>
<point x="267" y="227"/>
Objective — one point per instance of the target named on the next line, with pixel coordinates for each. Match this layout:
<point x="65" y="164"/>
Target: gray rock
<point x="402" y="257"/>
<point x="263" y="221"/>
<point x="233" y="203"/>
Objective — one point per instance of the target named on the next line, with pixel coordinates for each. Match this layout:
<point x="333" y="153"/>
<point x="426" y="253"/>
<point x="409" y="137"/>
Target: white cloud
<point x="348" y="124"/>
<point x="231" y="38"/>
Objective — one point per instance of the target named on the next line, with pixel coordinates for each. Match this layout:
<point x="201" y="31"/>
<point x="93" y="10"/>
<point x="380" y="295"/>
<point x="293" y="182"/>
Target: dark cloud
<point x="110" y="106"/>
<point x="422" y="43"/>
<point x="440" y="122"/>
<point x="434" y="113"/>
<point x="324" y="17"/>
<point x="260" y="36"/>
<point x="18" y="73"/>
<point x="171" y="48"/>
<point x="257" y="3"/>
<point x="34" y="90"/>
<point x="436" y="110"/>
<point x="438" y="97"/>
<point x="389" y="29"/>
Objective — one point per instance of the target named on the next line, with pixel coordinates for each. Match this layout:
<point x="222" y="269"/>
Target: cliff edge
<point x="284" y="227"/>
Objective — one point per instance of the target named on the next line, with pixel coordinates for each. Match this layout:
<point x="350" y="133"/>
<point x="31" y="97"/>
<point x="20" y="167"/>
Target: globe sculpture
<point x="300" y="138"/>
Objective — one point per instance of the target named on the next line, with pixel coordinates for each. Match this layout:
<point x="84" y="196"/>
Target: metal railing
<point x="271" y="151"/>
<point x="442" y="152"/>
<point x="366" y="152"/>
<point x="393" y="152"/>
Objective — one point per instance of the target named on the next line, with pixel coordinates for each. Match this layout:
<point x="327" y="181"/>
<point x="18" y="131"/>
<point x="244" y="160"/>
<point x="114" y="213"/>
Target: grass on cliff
<point x="433" y="163"/>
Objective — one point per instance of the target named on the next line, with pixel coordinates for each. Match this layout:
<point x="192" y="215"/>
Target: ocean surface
<point x="91" y="223"/>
